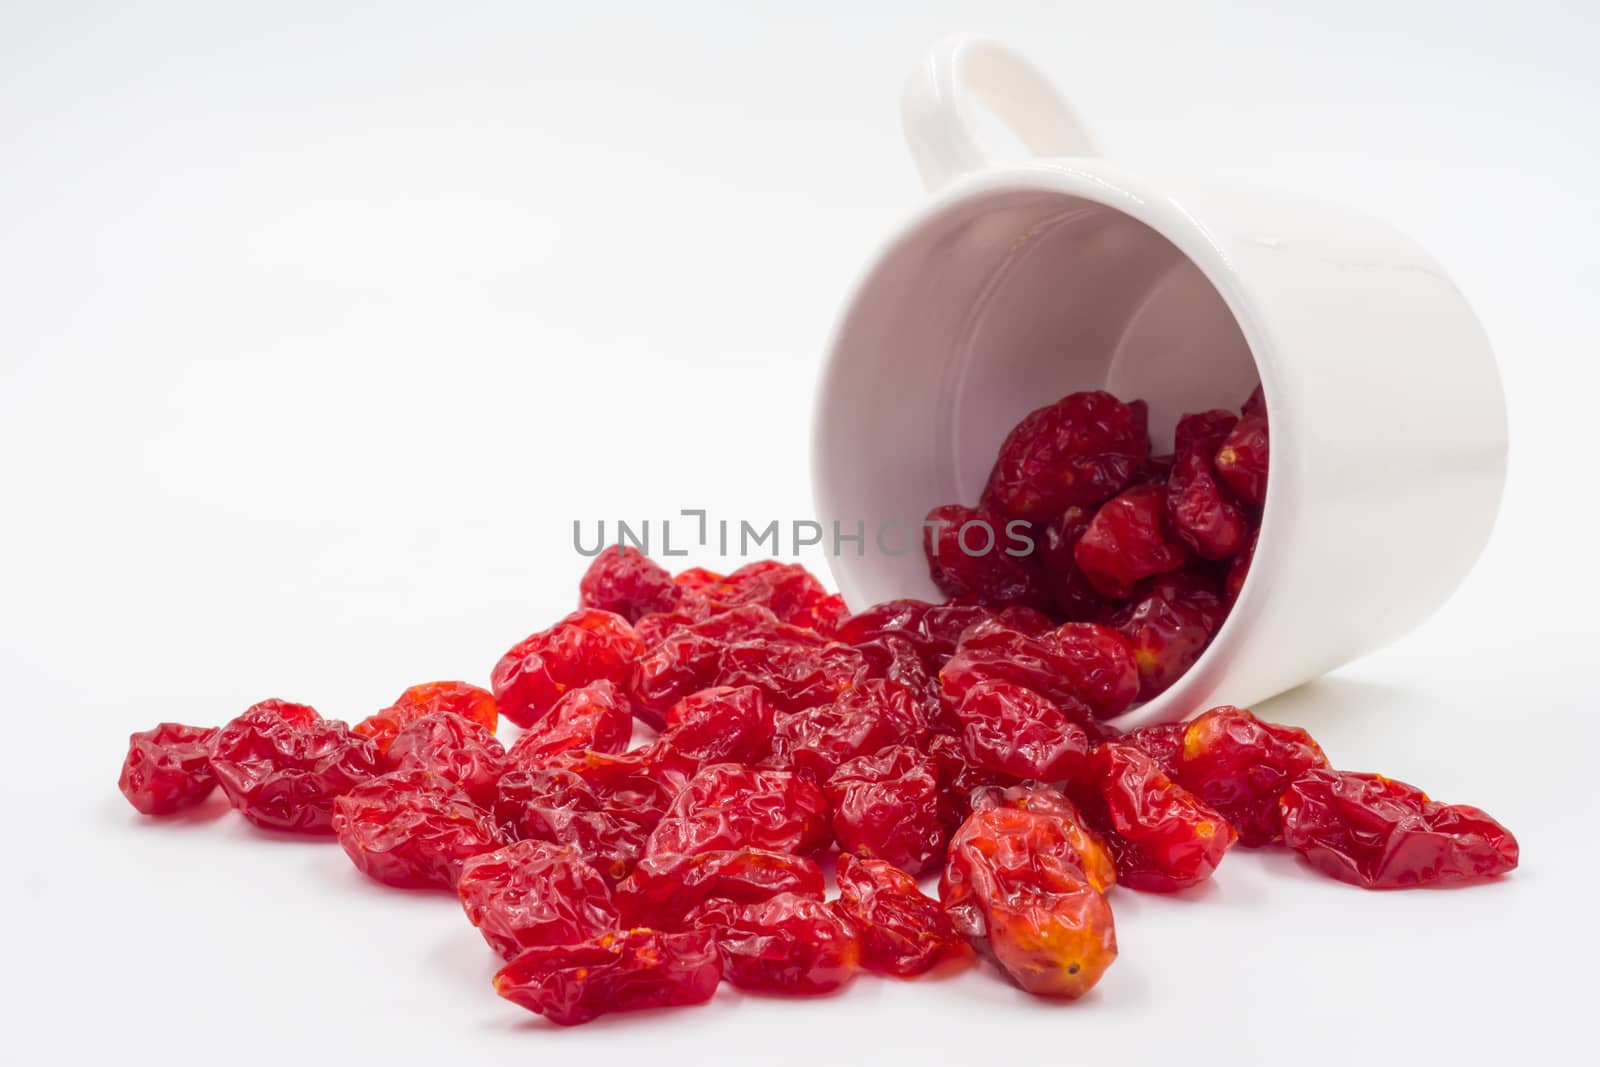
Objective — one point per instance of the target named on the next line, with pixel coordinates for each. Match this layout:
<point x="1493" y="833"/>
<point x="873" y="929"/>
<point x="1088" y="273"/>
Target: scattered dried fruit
<point x="168" y="768"/>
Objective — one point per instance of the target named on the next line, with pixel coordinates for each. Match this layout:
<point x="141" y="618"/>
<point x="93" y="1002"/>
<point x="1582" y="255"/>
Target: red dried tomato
<point x="168" y="768"/>
<point x="430" y="698"/>
<point x="789" y="943"/>
<point x="1082" y="449"/>
<point x="1014" y="888"/>
<point x="626" y="582"/>
<point x="902" y="932"/>
<point x="886" y="806"/>
<point x="624" y="971"/>
<point x="586" y="646"/>
<point x="281" y="765"/>
<point x="534" y="893"/>
<point x="1378" y="833"/>
<point x="596" y="717"/>
<point x="412" y="829"/>
<point x="1241" y="765"/>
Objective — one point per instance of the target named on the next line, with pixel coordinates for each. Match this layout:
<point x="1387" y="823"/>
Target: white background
<point x="319" y="323"/>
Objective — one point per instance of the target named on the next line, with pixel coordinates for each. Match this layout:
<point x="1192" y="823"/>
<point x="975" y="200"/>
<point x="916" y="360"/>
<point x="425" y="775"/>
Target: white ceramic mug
<point x="1018" y="284"/>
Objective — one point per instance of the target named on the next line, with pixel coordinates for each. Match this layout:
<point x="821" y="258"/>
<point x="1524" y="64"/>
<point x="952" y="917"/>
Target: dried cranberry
<point x="586" y="646"/>
<point x="1082" y="449"/>
<point x="902" y="932"/>
<point x="596" y="717"/>
<point x="168" y="768"/>
<point x="626" y="971"/>
<point x="430" y="698"/>
<point x="1013" y="887"/>
<point x="626" y="582"/>
<point x="412" y="829"/>
<point x="1241" y="765"/>
<point x="789" y="943"/>
<point x="886" y="806"/>
<point x="458" y="750"/>
<point x="281" y="765"/>
<point x="1128" y="539"/>
<point x="534" y="893"/>
<point x="1378" y="833"/>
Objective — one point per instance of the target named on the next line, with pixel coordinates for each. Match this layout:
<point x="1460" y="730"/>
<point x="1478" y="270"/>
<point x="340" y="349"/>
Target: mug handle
<point x="936" y="109"/>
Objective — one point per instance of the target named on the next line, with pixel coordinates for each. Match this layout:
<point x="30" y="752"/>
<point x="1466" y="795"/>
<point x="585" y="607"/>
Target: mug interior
<point x="995" y="303"/>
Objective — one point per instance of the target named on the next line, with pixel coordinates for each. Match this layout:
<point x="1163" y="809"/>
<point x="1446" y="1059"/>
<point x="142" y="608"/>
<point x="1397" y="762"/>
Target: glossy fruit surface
<point x="281" y="765"/>
<point x="168" y="768"/>
<point x="623" y="971"/>
<point x="1378" y="833"/>
<point x="1082" y="449"/>
<point x="902" y="931"/>
<point x="412" y="829"/>
<point x="1240" y="765"/>
<point x="534" y="893"/>
<point x="587" y="646"/>
<point x="789" y="943"/>
<point x="430" y="698"/>
<point x="1013" y="886"/>
<point x="886" y="806"/>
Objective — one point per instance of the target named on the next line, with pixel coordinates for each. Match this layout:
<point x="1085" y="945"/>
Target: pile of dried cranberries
<point x="968" y="738"/>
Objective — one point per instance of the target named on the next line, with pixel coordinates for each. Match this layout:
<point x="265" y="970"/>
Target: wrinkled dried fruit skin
<point x="597" y="717"/>
<point x="725" y="724"/>
<point x="901" y="931"/>
<point x="626" y="582"/>
<point x="886" y="806"/>
<point x="1071" y="593"/>
<point x="429" y="698"/>
<point x="790" y="943"/>
<point x="1013" y="887"/>
<point x="625" y="971"/>
<point x="281" y="765"/>
<point x="1093" y="854"/>
<point x="460" y="751"/>
<point x="793" y="595"/>
<point x="864" y="719"/>
<point x="1015" y="731"/>
<point x="168" y="768"/>
<point x="727" y="807"/>
<point x="1162" y="742"/>
<point x="663" y="889"/>
<point x="1240" y="765"/>
<point x="412" y="830"/>
<point x="1082" y="449"/>
<point x="1203" y="513"/>
<point x="1083" y="669"/>
<point x="895" y="660"/>
<point x="608" y="824"/>
<point x="934" y="630"/>
<point x="959" y="779"/>
<point x="586" y="646"/>
<point x="793" y="668"/>
<point x="1241" y="461"/>
<point x="974" y="553"/>
<point x="1168" y="627"/>
<point x="1128" y="539"/>
<point x="534" y="893"/>
<point x="1378" y="833"/>
<point x="1174" y="839"/>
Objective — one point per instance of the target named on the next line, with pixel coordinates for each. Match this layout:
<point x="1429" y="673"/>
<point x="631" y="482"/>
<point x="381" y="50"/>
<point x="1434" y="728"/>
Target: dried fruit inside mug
<point x="694" y="749"/>
<point x="1081" y="522"/>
